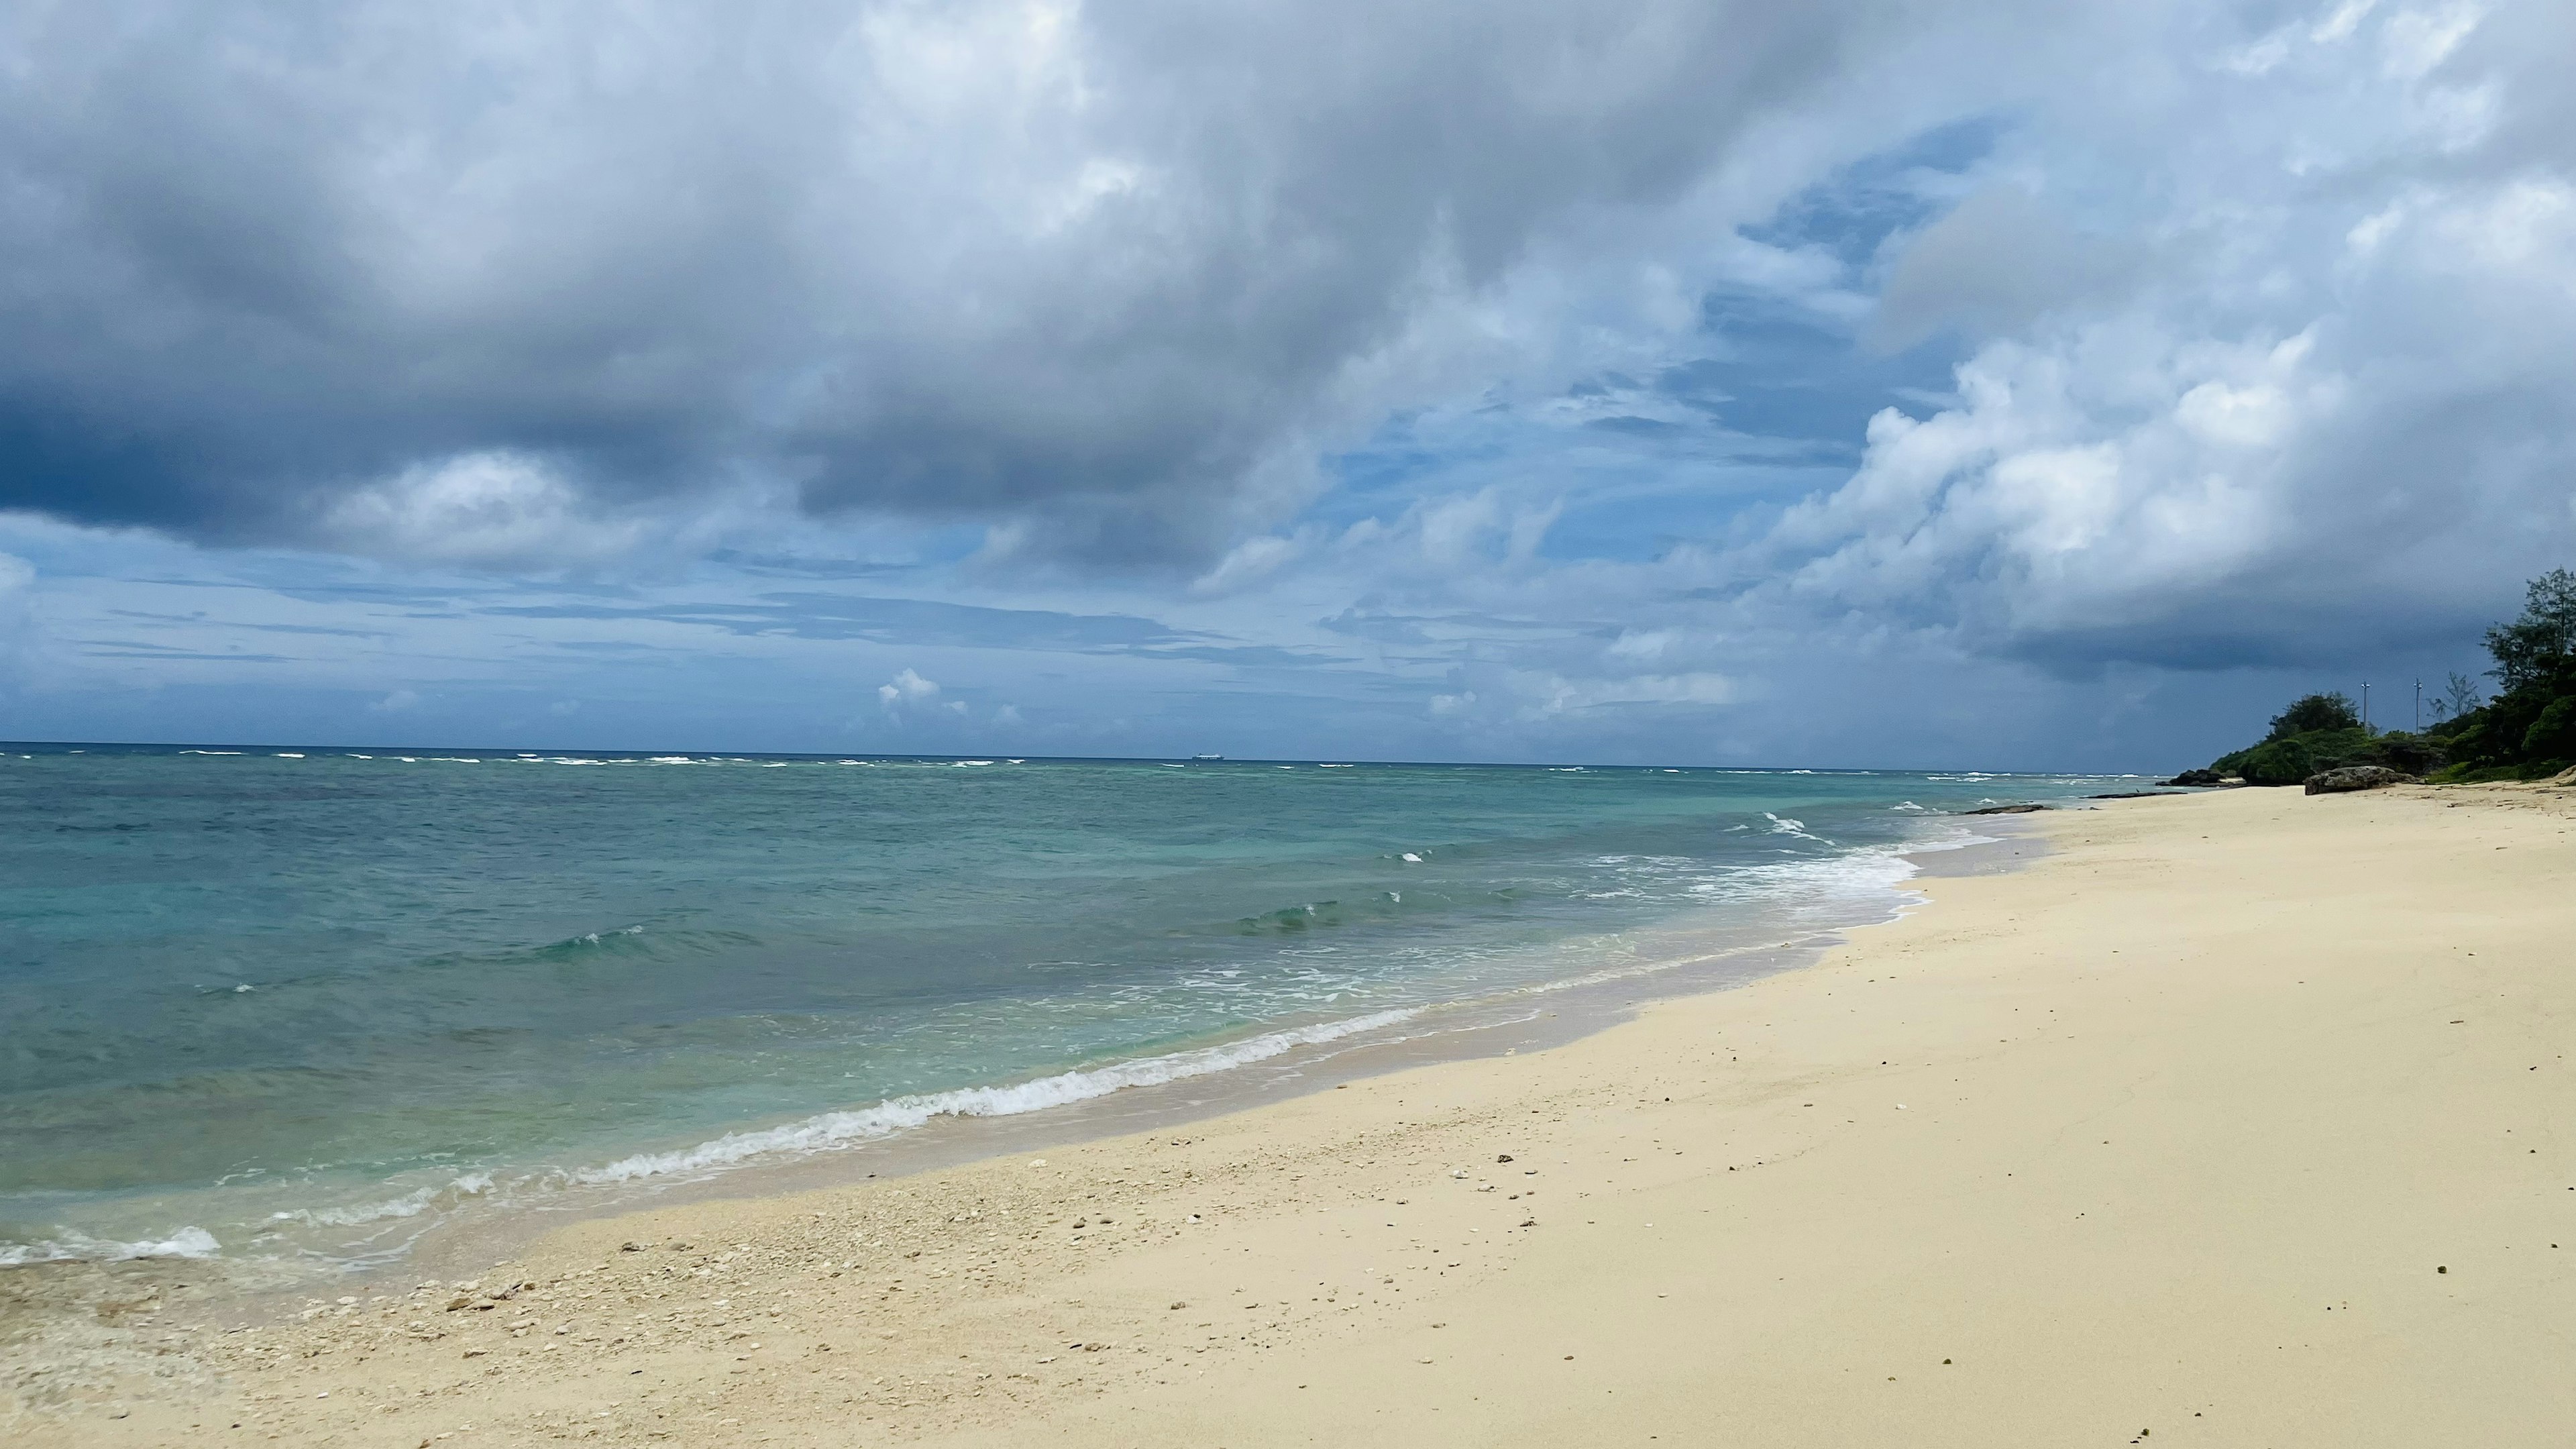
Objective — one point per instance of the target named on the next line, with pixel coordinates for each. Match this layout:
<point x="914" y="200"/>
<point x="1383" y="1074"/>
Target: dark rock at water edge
<point x="2198" y="778"/>
<point x="2356" y="777"/>
<point x="2005" y="810"/>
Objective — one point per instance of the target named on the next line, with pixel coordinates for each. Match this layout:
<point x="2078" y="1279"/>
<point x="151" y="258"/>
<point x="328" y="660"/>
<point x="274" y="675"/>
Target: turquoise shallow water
<point x="302" y="1002"/>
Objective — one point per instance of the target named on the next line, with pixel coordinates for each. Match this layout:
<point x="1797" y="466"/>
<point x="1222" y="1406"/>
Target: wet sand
<point x="2232" y="1119"/>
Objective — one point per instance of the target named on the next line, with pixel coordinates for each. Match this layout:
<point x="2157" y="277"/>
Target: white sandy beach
<point x="2237" y="1120"/>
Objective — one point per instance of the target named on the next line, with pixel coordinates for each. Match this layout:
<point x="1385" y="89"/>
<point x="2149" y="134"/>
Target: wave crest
<point x="73" y="1247"/>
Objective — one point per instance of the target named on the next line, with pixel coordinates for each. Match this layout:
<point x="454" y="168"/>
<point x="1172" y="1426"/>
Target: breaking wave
<point x="73" y="1247"/>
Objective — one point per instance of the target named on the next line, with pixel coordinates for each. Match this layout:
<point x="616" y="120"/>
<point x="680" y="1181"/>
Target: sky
<point x="1858" y="383"/>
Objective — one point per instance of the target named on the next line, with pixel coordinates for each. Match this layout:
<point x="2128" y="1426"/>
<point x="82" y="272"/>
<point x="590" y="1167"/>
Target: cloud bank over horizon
<point x="1858" y="383"/>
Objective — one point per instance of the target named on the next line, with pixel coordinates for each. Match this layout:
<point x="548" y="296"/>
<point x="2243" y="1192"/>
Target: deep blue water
<point x="300" y="1001"/>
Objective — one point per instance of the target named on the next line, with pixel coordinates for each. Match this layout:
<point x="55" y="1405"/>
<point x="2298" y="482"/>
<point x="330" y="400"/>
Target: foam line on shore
<point x="74" y="1247"/>
<point x="829" y="1130"/>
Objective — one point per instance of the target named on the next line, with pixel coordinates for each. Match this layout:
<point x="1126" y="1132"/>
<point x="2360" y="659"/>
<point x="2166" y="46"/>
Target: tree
<point x="2460" y="694"/>
<point x="2542" y="643"/>
<point x="2315" y="712"/>
<point x="2552" y="737"/>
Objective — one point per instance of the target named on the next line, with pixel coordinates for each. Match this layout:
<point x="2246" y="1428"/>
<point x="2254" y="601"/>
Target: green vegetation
<point x="2526" y="732"/>
<point x="2324" y="732"/>
<point x="2317" y="713"/>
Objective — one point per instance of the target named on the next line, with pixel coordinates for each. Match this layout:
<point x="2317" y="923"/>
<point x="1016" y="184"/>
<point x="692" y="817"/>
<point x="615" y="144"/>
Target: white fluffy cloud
<point x="494" y="509"/>
<point x="907" y="688"/>
<point x="2268" y="363"/>
<point x="2313" y="370"/>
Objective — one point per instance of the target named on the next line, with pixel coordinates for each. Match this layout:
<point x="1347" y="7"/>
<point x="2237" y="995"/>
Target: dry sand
<point x="2237" y="1120"/>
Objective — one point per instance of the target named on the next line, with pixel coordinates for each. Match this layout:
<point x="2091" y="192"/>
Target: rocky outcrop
<point x="2356" y="777"/>
<point x="2005" y="810"/>
<point x="2198" y="777"/>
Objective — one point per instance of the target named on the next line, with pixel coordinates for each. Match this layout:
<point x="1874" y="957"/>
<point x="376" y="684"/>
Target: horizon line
<point x="76" y="746"/>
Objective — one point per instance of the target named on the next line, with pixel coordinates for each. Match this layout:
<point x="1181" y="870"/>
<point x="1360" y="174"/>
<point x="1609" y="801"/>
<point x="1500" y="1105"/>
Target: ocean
<point x="305" y="1004"/>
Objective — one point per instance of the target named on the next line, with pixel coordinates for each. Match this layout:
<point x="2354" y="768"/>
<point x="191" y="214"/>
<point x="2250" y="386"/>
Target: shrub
<point x="2414" y="754"/>
<point x="2520" y="725"/>
<point x="2552" y="736"/>
<point x="2276" y="762"/>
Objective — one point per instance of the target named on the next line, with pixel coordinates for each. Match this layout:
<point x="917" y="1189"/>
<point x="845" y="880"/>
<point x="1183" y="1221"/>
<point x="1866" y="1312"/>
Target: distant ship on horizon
<point x="1207" y="757"/>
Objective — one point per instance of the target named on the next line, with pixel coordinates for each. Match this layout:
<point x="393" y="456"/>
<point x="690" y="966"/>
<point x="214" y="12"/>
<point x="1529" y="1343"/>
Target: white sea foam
<point x="409" y="1205"/>
<point x="1608" y="974"/>
<point x="73" y="1247"/>
<point x="827" y="1131"/>
<point x="193" y="752"/>
<point x="901" y="1114"/>
<point x="1780" y="825"/>
<point x="1957" y="838"/>
<point x="1821" y="885"/>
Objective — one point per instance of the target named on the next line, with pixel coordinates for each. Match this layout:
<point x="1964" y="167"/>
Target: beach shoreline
<point x="1696" y="960"/>
<point x="1182" y="1282"/>
<point x="1692" y="955"/>
<point x="605" y="1027"/>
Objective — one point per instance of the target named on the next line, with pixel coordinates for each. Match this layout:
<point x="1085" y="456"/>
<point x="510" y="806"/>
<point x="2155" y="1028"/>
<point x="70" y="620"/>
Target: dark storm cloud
<point x="271" y="269"/>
